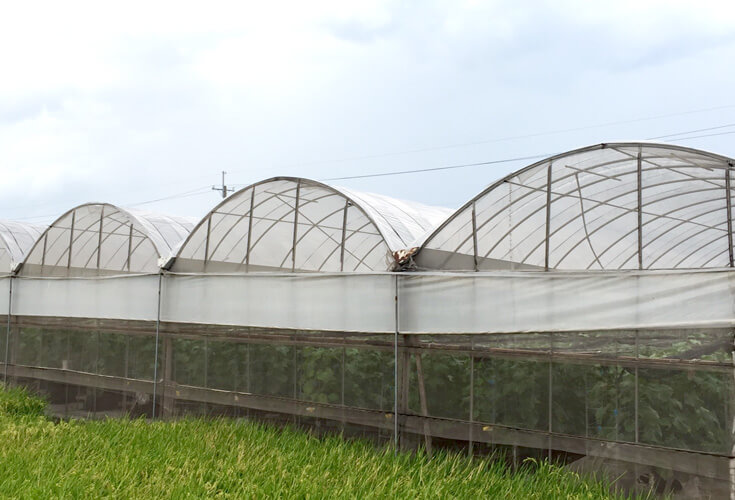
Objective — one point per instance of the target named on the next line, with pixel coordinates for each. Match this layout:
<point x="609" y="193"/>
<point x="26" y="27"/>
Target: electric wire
<point x="674" y="136"/>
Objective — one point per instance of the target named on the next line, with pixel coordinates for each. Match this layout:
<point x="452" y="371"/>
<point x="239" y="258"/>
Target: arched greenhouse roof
<point x="16" y="238"/>
<point x="296" y="224"/>
<point x="632" y="205"/>
<point x="103" y="239"/>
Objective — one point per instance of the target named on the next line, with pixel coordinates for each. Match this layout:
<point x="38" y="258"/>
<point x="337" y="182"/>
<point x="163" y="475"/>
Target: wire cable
<point x="507" y="138"/>
<point x="434" y="169"/>
<point x="691" y="132"/>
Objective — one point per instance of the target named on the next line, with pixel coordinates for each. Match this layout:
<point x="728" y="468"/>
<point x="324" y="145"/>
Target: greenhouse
<point x="289" y="224"/>
<point x="16" y="238"/>
<point x="580" y="309"/>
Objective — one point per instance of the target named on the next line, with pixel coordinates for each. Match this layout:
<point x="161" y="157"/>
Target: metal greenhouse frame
<point x="580" y="309"/>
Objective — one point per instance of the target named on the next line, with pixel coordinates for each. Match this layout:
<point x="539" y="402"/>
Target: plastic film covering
<point x="4" y="291"/>
<point x="340" y="302"/>
<point x="16" y="238"/>
<point x="538" y="301"/>
<point x="122" y="297"/>
<point x="610" y="206"/>
<point x="102" y="239"/>
<point x="292" y="224"/>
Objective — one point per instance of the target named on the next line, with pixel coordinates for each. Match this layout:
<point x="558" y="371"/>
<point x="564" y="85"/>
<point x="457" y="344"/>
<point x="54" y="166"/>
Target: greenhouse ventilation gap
<point x="580" y="309"/>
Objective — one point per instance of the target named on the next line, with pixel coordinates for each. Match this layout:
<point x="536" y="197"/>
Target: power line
<point x="705" y="135"/>
<point x="692" y="132"/>
<point x="185" y="194"/>
<point x="193" y="192"/>
<point x="508" y="138"/>
<point x="203" y="190"/>
<point x="434" y="169"/>
<point x="533" y="157"/>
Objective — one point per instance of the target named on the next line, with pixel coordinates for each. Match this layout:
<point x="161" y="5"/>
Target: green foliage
<point x="689" y="408"/>
<point x="235" y="459"/>
<point x="18" y="403"/>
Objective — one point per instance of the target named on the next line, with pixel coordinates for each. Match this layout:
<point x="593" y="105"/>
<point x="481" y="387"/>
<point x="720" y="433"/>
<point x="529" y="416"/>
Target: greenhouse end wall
<point x="604" y="368"/>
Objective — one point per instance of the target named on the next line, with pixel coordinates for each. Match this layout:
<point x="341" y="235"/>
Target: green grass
<point x="228" y="458"/>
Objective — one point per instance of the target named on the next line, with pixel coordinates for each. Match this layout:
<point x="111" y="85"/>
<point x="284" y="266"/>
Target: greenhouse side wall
<point x="627" y="371"/>
<point x="87" y="345"/>
<point x="312" y="350"/>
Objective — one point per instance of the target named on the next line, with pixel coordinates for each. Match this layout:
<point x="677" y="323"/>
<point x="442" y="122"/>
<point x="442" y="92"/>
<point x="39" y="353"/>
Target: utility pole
<point x="223" y="188"/>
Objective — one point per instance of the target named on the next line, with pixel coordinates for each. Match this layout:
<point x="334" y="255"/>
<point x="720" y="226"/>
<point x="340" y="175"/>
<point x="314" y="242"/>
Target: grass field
<point x="227" y="458"/>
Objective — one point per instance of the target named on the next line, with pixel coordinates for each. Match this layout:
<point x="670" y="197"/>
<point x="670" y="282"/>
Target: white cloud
<point x="147" y="98"/>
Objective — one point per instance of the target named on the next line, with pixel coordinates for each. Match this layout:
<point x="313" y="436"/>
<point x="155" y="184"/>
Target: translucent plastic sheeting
<point x="609" y="206"/>
<point x="125" y="297"/>
<point x="4" y="291"/>
<point x="102" y="239"/>
<point x="342" y="302"/>
<point x="549" y="302"/>
<point x="16" y="238"/>
<point x="292" y="224"/>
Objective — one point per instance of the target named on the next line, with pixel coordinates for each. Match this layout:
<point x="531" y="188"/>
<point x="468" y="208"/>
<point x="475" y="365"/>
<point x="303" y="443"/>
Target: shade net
<point x="627" y="372"/>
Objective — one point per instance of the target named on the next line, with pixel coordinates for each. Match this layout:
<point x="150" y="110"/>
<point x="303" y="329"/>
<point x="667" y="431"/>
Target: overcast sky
<point x="152" y="100"/>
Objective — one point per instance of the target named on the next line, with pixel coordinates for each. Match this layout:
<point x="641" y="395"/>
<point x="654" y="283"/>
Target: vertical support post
<point x="247" y="367"/>
<point x="66" y="386"/>
<point x="405" y="358"/>
<point x="247" y="372"/>
<point x="126" y="372"/>
<point x="551" y="390"/>
<point x="295" y="226"/>
<point x="7" y="333"/>
<point x="342" y="386"/>
<point x="71" y="239"/>
<point x="130" y="246"/>
<point x="548" y="218"/>
<point x="472" y="396"/>
<point x="586" y="408"/>
<point x="474" y="235"/>
<point x="206" y="369"/>
<point x="43" y="255"/>
<point x="169" y="395"/>
<point x="99" y="236"/>
<point x="423" y="403"/>
<point x="640" y="208"/>
<point x="395" y="367"/>
<point x="96" y="370"/>
<point x="344" y="236"/>
<point x="295" y="374"/>
<point x="728" y="200"/>
<point x="206" y="242"/>
<point x="250" y="229"/>
<point x="155" y="355"/>
<point x="635" y="408"/>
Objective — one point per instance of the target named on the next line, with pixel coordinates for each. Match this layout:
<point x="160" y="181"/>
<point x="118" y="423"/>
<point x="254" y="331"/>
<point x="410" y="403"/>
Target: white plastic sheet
<point x="324" y="302"/>
<point x="548" y="302"/>
<point x="4" y="290"/>
<point x="124" y="297"/>
<point x="474" y="303"/>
